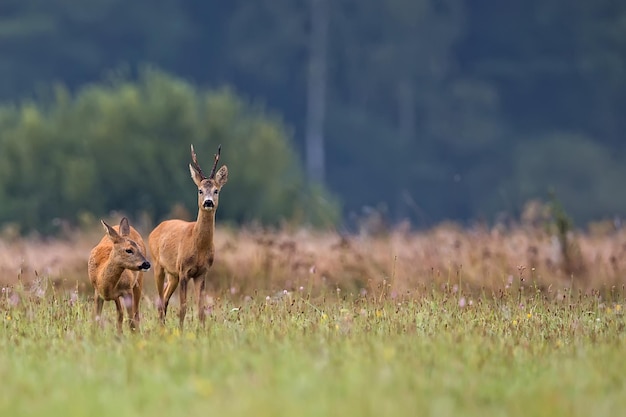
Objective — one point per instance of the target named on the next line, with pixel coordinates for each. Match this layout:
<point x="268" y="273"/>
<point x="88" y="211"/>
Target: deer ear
<point x="195" y="175"/>
<point x="124" y="227"/>
<point x="221" y="177"/>
<point x="113" y="235"/>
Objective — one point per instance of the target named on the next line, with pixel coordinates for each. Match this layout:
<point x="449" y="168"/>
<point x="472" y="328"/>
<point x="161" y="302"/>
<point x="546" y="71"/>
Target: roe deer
<point x="184" y="250"/>
<point x="116" y="266"/>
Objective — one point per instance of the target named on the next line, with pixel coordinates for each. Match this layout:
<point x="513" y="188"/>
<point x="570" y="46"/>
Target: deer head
<point x="208" y="187"/>
<point x="126" y="252"/>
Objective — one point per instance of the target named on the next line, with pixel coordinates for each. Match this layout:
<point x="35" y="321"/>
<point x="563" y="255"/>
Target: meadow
<point x="449" y="321"/>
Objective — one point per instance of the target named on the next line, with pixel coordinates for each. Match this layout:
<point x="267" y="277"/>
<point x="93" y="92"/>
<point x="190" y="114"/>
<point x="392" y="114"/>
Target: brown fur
<point x="184" y="250"/>
<point x="117" y="275"/>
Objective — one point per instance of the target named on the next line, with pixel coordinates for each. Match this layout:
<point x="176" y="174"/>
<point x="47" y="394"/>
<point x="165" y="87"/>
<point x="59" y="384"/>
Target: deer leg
<point x="120" y="313"/>
<point x="159" y="277"/>
<point x="127" y="301"/>
<point x="134" y="316"/>
<point x="172" y="283"/>
<point x="200" y="298"/>
<point x="182" y="295"/>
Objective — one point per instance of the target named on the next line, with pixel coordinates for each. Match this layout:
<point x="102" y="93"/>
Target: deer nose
<point x="208" y="203"/>
<point x="145" y="266"/>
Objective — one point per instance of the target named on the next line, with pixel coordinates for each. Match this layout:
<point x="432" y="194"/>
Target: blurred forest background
<point x="422" y="109"/>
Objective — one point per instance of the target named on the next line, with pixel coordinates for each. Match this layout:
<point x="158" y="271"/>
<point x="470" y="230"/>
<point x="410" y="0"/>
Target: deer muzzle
<point x="145" y="266"/>
<point x="208" y="203"/>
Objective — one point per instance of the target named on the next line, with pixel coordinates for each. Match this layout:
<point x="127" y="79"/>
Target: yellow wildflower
<point x="323" y="318"/>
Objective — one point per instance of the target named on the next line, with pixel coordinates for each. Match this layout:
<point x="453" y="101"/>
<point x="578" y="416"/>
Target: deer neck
<point x="203" y="230"/>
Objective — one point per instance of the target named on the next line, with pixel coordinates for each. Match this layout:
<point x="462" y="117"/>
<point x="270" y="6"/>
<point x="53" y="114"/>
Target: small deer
<point x="184" y="250"/>
<point x="116" y="266"/>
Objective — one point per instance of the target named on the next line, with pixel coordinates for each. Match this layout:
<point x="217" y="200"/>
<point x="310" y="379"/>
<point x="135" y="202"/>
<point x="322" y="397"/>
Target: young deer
<point x="116" y="268"/>
<point x="184" y="250"/>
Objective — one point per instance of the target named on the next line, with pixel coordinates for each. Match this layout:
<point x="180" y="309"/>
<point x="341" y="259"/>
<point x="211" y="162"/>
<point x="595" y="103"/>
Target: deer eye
<point x="216" y="191"/>
<point x="129" y="251"/>
<point x="200" y="192"/>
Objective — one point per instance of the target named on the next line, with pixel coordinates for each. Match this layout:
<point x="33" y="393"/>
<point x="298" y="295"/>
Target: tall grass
<point x="446" y="322"/>
<point x="477" y="259"/>
<point x="444" y="354"/>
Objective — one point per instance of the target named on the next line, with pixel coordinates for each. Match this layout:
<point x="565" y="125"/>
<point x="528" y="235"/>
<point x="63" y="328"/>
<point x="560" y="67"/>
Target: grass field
<point x="393" y="338"/>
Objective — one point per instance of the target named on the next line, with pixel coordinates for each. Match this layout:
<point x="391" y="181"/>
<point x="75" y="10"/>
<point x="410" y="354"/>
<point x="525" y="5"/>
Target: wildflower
<point x="267" y="298"/>
<point x="462" y="302"/>
<point x="301" y="288"/>
<point x="618" y="307"/>
<point x="8" y="318"/>
<point x="529" y="315"/>
<point x="379" y="313"/>
<point x="323" y="318"/>
<point x="285" y="292"/>
<point x="608" y="310"/>
<point x="514" y="322"/>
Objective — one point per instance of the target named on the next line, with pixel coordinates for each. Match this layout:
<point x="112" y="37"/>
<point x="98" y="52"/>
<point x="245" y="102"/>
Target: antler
<point x="194" y="163"/>
<point x="217" y="157"/>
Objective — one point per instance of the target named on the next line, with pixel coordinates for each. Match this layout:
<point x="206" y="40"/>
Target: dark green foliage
<point x="436" y="108"/>
<point x="124" y="145"/>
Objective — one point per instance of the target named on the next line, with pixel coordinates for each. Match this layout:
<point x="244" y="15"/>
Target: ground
<point x="392" y="338"/>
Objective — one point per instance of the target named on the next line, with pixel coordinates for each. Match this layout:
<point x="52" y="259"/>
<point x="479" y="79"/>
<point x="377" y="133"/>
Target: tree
<point x="124" y="145"/>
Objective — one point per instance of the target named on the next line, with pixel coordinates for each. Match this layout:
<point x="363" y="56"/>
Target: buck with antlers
<point x="115" y="269"/>
<point x="182" y="250"/>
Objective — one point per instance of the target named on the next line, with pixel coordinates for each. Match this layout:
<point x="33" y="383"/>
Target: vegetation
<point x="449" y="321"/>
<point x="125" y="145"/>
<point x="440" y="109"/>
<point x="291" y="354"/>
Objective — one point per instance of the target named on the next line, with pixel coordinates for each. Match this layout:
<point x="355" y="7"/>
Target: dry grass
<point x="252" y="261"/>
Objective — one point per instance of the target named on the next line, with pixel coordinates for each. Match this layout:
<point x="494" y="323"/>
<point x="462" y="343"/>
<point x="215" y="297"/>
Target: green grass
<point x="508" y="355"/>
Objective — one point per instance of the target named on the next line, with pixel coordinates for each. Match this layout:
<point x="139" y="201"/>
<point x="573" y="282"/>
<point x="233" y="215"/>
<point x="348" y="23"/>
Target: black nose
<point x="145" y="265"/>
<point x="208" y="203"/>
